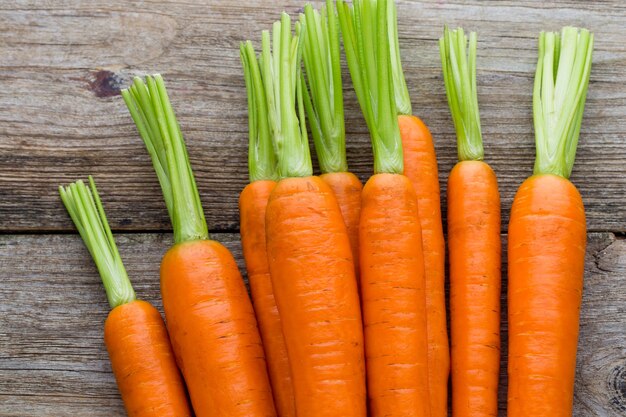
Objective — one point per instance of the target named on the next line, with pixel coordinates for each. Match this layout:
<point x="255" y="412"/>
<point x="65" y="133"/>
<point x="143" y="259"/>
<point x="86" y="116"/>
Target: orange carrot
<point x="139" y="348"/>
<point x="392" y="263"/>
<point x="473" y="240"/>
<point x="420" y="166"/>
<point x="547" y="236"/>
<point x="252" y="207"/>
<point x="324" y="108"/>
<point x="308" y="249"/>
<point x="209" y="315"/>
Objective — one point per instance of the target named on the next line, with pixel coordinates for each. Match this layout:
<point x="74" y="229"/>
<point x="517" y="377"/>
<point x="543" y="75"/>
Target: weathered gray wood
<point x="53" y="360"/>
<point x="63" y="64"/>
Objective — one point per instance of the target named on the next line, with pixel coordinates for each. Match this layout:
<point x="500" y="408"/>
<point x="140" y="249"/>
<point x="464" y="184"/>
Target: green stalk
<point x="261" y="158"/>
<point x="85" y="209"/>
<point x="459" y="75"/>
<point x="366" y="42"/>
<point x="401" y="91"/>
<point x="324" y="104"/>
<point x="150" y="108"/>
<point x="559" y="95"/>
<point x="279" y="65"/>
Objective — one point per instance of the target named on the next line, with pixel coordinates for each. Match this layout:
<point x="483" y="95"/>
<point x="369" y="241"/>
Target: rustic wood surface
<point x="62" y="65"/>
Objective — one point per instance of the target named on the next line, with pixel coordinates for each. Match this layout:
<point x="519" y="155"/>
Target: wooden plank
<point x="53" y="360"/>
<point x="61" y="118"/>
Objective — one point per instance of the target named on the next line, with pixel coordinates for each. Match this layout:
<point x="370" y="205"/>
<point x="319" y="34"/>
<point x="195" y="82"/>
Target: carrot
<point x="420" y="166"/>
<point x="473" y="240"/>
<point x="252" y="207"/>
<point x="392" y="262"/>
<point x="324" y="109"/>
<point x="141" y="355"/>
<point x="209" y="315"/>
<point x="547" y="236"/>
<point x="308" y="249"/>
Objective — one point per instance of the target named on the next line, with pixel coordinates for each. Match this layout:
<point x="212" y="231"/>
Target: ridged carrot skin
<point x="474" y="255"/>
<point x="347" y="188"/>
<point x="214" y="332"/>
<point x="392" y="290"/>
<point x="252" y="207"/>
<point x="143" y="362"/>
<point x="420" y="166"/>
<point x="547" y="240"/>
<point x="316" y="292"/>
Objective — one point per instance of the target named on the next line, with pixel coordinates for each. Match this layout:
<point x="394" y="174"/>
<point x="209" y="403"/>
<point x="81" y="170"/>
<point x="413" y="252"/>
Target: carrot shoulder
<point x="323" y="100"/>
<point x="210" y="318"/>
<point x="308" y="251"/>
<point x="420" y="166"/>
<point x="547" y="237"/>
<point x="473" y="241"/>
<point x="139" y="348"/>
<point x="391" y="257"/>
<point x="252" y="207"/>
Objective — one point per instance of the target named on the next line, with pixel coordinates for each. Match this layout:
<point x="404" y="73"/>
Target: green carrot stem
<point x="459" y="74"/>
<point x="261" y="158"/>
<point x="279" y="64"/>
<point x="559" y="95"/>
<point x="324" y="103"/>
<point x="366" y="42"/>
<point x="150" y="108"/>
<point x="85" y="209"/>
<point x="401" y="91"/>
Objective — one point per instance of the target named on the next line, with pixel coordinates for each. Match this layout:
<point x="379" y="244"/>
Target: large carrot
<point x="324" y="109"/>
<point x="139" y="348"/>
<point x="392" y="263"/>
<point x="420" y="166"/>
<point x="209" y="315"/>
<point x="547" y="237"/>
<point x="473" y="241"/>
<point x="252" y="207"/>
<point x="309" y="251"/>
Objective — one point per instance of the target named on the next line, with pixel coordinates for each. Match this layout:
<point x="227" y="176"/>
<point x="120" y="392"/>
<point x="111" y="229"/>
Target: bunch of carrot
<point x="346" y="314"/>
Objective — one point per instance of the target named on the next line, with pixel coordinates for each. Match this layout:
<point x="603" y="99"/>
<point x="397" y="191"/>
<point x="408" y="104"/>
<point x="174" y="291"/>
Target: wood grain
<point x="53" y="360"/>
<point x="63" y="64"/>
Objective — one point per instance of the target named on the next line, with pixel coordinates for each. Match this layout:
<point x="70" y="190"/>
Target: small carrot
<point x="547" y="237"/>
<point x="420" y="166"/>
<point x="139" y="348"/>
<point x="209" y="315"/>
<point x="473" y="241"/>
<point x="252" y="208"/>
<point x="324" y="109"/>
<point x="392" y="262"/>
<point x="308" y="250"/>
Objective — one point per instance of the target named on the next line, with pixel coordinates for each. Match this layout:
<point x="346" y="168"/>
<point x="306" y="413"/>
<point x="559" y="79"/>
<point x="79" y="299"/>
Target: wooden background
<point x="62" y="64"/>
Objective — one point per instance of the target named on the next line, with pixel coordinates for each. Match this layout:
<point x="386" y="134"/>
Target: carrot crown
<point x="366" y="42"/>
<point x="459" y="75"/>
<point x="559" y="96"/>
<point x="324" y="104"/>
<point x="261" y="157"/>
<point x="150" y="108"/>
<point x="85" y="209"/>
<point x="279" y="65"/>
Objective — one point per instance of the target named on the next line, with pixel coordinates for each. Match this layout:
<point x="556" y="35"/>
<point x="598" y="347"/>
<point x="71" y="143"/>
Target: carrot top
<point x="150" y="108"/>
<point x="280" y="76"/>
<point x="559" y="95"/>
<point x="365" y="30"/>
<point x="324" y="104"/>
<point x="459" y="75"/>
<point x="401" y="91"/>
<point x="261" y="157"/>
<point x="85" y="209"/>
